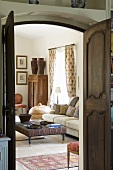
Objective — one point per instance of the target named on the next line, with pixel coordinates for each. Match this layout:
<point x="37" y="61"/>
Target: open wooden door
<point x="96" y="112"/>
<point x="9" y="89"/>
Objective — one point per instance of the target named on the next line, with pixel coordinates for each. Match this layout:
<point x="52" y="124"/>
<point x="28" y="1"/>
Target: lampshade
<point x="57" y="90"/>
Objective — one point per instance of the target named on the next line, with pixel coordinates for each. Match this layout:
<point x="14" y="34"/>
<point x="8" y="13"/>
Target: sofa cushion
<point x="70" y="111"/>
<point x="72" y="132"/>
<point x="73" y="124"/>
<point x="50" y="117"/>
<point x="62" y="120"/>
<point x="63" y="109"/>
<point x="74" y="101"/>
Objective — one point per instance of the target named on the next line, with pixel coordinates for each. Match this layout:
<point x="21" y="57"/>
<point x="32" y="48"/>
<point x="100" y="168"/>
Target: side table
<point x="4" y="152"/>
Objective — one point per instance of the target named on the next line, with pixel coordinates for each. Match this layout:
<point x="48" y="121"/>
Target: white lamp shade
<point x="57" y="90"/>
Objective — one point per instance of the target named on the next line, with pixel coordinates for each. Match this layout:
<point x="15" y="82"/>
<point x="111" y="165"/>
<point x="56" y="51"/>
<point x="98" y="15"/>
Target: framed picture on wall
<point x="21" y="62"/>
<point x="21" y="77"/>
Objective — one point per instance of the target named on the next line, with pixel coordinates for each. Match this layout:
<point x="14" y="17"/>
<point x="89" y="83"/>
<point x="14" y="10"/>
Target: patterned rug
<point x="48" y="162"/>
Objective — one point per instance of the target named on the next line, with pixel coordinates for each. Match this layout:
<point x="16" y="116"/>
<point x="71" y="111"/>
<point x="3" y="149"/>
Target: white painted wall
<point x="91" y="4"/>
<point x="23" y="47"/>
<point x="80" y="94"/>
<point x="40" y="49"/>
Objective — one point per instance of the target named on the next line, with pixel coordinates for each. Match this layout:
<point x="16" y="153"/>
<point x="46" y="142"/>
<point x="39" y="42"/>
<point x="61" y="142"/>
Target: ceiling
<point x="82" y="18"/>
<point x="34" y="31"/>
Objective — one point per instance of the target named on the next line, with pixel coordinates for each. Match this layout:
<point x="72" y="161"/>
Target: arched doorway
<point x="103" y="129"/>
<point x="80" y="67"/>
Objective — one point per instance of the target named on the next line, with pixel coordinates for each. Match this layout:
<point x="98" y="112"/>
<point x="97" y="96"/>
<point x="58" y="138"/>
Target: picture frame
<point x="21" y="62"/>
<point x="21" y="77"/>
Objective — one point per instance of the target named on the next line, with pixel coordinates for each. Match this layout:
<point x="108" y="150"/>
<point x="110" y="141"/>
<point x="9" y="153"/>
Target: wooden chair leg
<point x="68" y="158"/>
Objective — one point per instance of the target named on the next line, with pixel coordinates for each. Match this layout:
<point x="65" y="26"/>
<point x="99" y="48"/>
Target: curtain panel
<point x="52" y="57"/>
<point x="70" y="67"/>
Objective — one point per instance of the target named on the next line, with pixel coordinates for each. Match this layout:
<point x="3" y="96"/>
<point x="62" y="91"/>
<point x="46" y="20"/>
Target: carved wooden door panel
<point x="96" y="112"/>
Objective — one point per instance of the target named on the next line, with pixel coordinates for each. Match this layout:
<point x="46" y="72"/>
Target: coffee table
<point x="43" y="131"/>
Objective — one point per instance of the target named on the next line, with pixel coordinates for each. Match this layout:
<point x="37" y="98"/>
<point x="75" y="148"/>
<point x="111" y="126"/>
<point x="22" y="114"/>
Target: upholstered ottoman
<point x="72" y="147"/>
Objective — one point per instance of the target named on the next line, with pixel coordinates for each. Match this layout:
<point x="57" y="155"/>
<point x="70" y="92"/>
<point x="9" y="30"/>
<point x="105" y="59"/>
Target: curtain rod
<point x="60" y="46"/>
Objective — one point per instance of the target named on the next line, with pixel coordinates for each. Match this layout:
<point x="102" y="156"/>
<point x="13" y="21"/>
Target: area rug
<point x="48" y="162"/>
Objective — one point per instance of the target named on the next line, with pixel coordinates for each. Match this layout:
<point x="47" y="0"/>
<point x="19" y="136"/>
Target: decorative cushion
<point x="73" y="147"/>
<point x="76" y="113"/>
<point x="70" y="111"/>
<point x="57" y="108"/>
<point x="52" y="112"/>
<point x="63" y="109"/>
<point x="74" y="101"/>
<point x="77" y="104"/>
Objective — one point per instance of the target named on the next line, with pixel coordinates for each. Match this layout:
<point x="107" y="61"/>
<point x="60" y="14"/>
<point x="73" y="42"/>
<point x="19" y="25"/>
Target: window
<point x="60" y="78"/>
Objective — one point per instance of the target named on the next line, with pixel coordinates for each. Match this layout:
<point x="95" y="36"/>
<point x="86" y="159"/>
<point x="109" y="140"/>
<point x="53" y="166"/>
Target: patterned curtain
<point x="52" y="57"/>
<point x="70" y="67"/>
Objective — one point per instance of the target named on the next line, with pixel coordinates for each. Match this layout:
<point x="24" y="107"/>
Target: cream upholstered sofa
<point x="68" y="117"/>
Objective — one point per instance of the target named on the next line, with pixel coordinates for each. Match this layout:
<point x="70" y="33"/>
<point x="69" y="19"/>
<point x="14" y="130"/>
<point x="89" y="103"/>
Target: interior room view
<point x="40" y="80"/>
<point x="44" y="97"/>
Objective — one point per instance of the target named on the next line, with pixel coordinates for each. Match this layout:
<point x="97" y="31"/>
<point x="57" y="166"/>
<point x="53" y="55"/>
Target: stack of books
<point x="55" y="125"/>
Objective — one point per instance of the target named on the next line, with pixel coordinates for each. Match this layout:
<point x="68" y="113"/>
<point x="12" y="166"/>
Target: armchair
<point x="18" y="102"/>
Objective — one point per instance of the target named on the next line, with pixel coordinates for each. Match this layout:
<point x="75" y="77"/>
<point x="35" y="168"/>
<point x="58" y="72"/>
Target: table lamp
<point x="57" y="90"/>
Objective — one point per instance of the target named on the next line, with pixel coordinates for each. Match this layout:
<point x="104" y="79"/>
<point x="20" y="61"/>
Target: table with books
<point x="39" y="128"/>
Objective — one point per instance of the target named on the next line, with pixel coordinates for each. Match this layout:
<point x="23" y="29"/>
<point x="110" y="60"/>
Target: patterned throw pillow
<point x="76" y="113"/>
<point x="57" y="108"/>
<point x="63" y="109"/>
<point x="52" y="112"/>
<point x="70" y="111"/>
<point x="77" y="104"/>
<point x="74" y="101"/>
